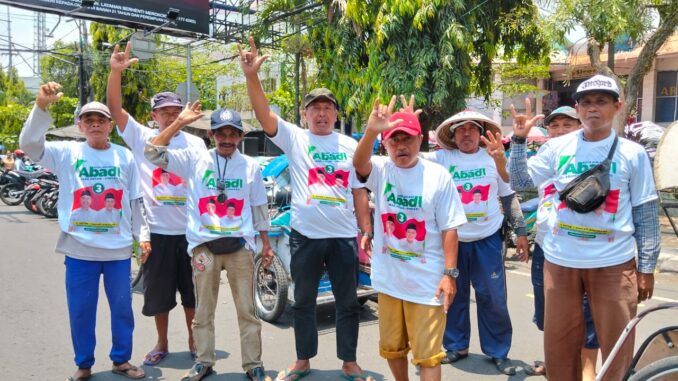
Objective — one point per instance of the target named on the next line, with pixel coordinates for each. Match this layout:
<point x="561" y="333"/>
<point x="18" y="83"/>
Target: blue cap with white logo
<point x="225" y="117"/>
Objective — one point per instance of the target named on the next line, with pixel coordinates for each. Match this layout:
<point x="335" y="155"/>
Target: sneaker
<point x="257" y="374"/>
<point x="198" y="372"/>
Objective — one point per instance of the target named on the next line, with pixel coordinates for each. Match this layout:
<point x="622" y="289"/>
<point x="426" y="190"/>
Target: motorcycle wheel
<point x="270" y="289"/>
<point x="12" y="194"/>
<point x="29" y="203"/>
<point x="47" y="205"/>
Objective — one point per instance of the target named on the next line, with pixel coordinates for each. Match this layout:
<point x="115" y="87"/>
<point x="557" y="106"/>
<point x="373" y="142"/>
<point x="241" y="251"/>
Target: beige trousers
<point x="239" y="268"/>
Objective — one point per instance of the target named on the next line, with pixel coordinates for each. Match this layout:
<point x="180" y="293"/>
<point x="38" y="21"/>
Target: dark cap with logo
<point x="320" y="93"/>
<point x="225" y="117"/>
<point x="165" y="99"/>
<point x="597" y="84"/>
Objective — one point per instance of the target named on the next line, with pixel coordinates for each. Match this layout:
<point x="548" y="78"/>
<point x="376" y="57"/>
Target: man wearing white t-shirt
<point x="99" y="165"/>
<point x="84" y="214"/>
<point x="167" y="269"/>
<point x="222" y="177"/>
<point x="414" y="295"/>
<point x="481" y="262"/>
<point x="323" y="225"/>
<point x="109" y="215"/>
<point x="210" y="219"/>
<point x="578" y="258"/>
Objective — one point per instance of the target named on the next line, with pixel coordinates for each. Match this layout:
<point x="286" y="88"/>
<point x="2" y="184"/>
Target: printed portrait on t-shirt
<point x="96" y="210"/>
<point x="168" y="188"/>
<point x="403" y="236"/>
<point x="595" y="225"/>
<point x="223" y="218"/>
<point x="327" y="186"/>
<point x="475" y="201"/>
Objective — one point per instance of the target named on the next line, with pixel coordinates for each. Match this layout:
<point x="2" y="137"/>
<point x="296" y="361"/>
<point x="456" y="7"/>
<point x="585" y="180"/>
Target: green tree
<point x="441" y="51"/>
<point x="61" y="66"/>
<point x="606" y="21"/>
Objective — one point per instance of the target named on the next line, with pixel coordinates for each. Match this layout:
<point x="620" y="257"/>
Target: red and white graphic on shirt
<point x="403" y="237"/>
<point x="168" y="188"/>
<point x="221" y="217"/>
<point x="474" y="199"/>
<point x="327" y="186"/>
<point x="595" y="225"/>
<point x="96" y="209"/>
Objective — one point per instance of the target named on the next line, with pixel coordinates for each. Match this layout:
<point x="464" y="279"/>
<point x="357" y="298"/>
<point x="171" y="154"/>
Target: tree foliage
<point x="441" y="51"/>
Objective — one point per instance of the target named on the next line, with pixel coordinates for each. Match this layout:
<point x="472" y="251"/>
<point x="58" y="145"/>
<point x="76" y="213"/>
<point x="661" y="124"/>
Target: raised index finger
<point x="253" y="46"/>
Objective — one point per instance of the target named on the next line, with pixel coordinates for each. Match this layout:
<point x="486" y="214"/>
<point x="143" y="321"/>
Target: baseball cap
<point x="225" y="117"/>
<point x="95" y="107"/>
<point x="561" y="111"/>
<point x="318" y="94"/>
<point x="165" y="99"/>
<point x="409" y="125"/>
<point x="598" y="83"/>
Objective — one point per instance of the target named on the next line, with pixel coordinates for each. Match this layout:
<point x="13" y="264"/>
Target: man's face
<point x="165" y="116"/>
<point x="110" y="203"/>
<point x="164" y="178"/>
<point x="211" y="208"/>
<point x="320" y="116"/>
<point x="467" y="138"/>
<point x="85" y="202"/>
<point x="410" y="235"/>
<point x="477" y="198"/>
<point x="230" y="211"/>
<point x="390" y="227"/>
<point x="403" y="149"/>
<point x="96" y="127"/>
<point x="562" y="125"/>
<point x="596" y="111"/>
<point x="226" y="140"/>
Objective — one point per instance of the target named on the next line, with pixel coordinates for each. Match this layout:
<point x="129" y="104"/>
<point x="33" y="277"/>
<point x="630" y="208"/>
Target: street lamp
<point x="84" y="4"/>
<point x="172" y="15"/>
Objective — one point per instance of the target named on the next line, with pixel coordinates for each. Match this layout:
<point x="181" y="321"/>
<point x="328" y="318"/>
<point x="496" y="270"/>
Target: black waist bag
<point x="226" y="245"/>
<point x="587" y="191"/>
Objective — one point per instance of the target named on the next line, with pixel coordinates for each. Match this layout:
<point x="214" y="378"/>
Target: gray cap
<point x="165" y="99"/>
<point x="95" y="107"/>
<point x="597" y="84"/>
<point x="320" y="93"/>
<point x="566" y="111"/>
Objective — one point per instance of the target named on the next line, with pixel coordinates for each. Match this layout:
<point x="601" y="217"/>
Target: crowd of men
<point x="435" y="230"/>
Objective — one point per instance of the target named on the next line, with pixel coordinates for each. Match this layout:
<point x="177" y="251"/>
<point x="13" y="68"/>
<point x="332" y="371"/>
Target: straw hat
<point x="445" y="132"/>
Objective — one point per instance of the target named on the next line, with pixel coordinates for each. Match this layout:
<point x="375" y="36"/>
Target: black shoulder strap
<point x="610" y="155"/>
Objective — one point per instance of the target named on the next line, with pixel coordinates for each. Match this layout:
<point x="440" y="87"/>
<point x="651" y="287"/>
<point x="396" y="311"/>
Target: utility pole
<point x="9" y="38"/>
<point x="40" y="40"/>
<point x="189" y="75"/>
<point x="81" y="67"/>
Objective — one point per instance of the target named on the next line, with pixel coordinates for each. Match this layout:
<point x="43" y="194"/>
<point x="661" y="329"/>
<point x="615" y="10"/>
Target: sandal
<point x="153" y="358"/>
<point x="292" y="375"/>
<point x="80" y="378"/>
<point x="130" y="372"/>
<point x="537" y="369"/>
<point x="356" y="377"/>
<point x="453" y="356"/>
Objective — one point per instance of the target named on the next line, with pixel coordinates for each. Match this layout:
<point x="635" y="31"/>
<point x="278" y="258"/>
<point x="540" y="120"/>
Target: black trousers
<point x="310" y="257"/>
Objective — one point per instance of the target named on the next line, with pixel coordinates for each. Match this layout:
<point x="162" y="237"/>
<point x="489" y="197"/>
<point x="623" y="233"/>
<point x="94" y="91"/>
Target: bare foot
<point x="294" y="372"/>
<point x="354" y="372"/>
<point x="128" y="370"/>
<point x="80" y="375"/>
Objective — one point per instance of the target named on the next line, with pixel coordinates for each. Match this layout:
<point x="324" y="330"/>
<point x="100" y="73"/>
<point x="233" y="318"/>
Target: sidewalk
<point x="668" y="258"/>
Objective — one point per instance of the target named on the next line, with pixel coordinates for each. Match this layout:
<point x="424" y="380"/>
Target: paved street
<point x="36" y="341"/>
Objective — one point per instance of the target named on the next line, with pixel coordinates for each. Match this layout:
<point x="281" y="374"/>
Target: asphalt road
<point x="36" y="341"/>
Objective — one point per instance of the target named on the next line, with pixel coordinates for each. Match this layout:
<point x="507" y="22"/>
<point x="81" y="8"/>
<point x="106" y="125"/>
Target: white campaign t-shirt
<point x="478" y="182"/>
<point x="548" y="201"/>
<point x="321" y="167"/>
<point x="87" y="179"/>
<point x="413" y="207"/>
<point x="164" y="193"/>
<point x="208" y="217"/>
<point x="603" y="237"/>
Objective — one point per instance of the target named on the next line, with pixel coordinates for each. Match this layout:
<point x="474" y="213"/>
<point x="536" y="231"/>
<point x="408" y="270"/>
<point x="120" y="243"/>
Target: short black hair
<point x="109" y="195"/>
<point x="411" y="226"/>
<point x="86" y="192"/>
<point x="230" y="204"/>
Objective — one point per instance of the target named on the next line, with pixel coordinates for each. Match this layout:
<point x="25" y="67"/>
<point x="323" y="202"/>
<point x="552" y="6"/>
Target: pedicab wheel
<point x="270" y="289"/>
<point x="664" y="369"/>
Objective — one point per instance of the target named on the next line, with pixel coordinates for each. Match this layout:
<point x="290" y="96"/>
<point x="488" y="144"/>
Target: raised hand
<point x="522" y="123"/>
<point x="190" y="114"/>
<point x="493" y="145"/>
<point x="120" y="60"/>
<point x="409" y="106"/>
<point x="48" y="93"/>
<point x="378" y="121"/>
<point x="250" y="62"/>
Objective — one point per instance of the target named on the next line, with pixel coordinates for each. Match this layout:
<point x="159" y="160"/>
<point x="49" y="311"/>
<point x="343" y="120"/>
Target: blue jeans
<point x="82" y="295"/>
<point x="591" y="342"/>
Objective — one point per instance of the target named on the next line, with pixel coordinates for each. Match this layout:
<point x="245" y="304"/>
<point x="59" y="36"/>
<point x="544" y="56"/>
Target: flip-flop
<point x="154" y="357"/>
<point x="293" y="375"/>
<point x="79" y="378"/>
<point x="355" y="377"/>
<point x="538" y="369"/>
<point x="125" y="372"/>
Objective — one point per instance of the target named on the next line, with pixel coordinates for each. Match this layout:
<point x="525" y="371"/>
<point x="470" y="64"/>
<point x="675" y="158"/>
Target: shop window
<point x="666" y="103"/>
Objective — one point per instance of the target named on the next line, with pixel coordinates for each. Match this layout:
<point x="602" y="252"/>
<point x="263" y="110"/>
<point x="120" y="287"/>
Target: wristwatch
<point x="452" y="272"/>
<point x="367" y="234"/>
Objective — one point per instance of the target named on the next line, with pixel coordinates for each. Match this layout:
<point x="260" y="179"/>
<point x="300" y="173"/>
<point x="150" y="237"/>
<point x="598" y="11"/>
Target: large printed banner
<point x="193" y="14"/>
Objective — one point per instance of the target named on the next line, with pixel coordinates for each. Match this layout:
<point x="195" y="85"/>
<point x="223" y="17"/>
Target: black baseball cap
<point x="225" y="117"/>
<point x="165" y="99"/>
<point x="320" y="93"/>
